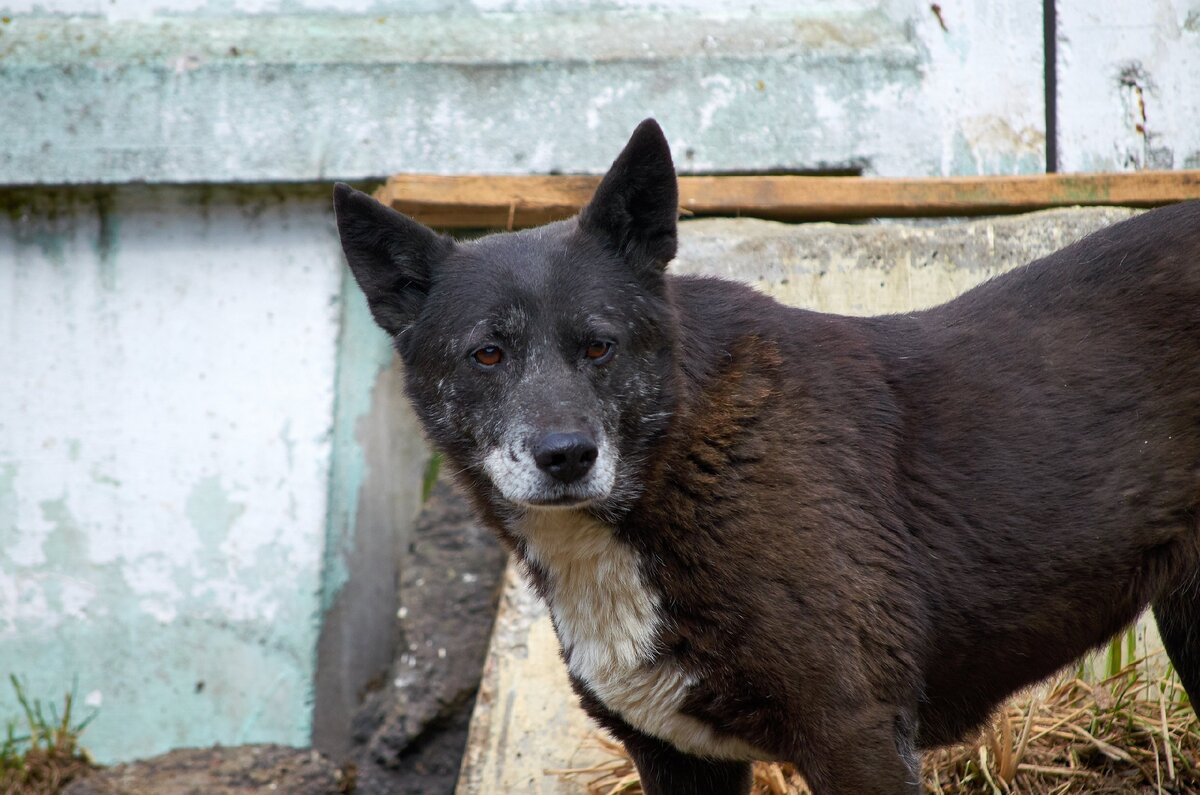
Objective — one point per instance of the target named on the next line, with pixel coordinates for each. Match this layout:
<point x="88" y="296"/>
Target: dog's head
<point x="539" y="361"/>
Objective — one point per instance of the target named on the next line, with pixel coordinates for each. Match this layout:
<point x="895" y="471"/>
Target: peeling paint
<point x="1127" y="97"/>
<point x="164" y="457"/>
<point x="210" y="510"/>
<point x="211" y="97"/>
<point x="8" y="502"/>
<point x="66" y="545"/>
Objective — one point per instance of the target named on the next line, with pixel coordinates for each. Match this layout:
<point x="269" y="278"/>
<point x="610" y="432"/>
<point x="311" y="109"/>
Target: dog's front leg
<point x="870" y="752"/>
<point x="665" y="770"/>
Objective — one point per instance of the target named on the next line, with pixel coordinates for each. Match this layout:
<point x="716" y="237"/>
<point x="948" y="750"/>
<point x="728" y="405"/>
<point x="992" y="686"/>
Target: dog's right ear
<point x="636" y="206"/>
<point x="390" y="255"/>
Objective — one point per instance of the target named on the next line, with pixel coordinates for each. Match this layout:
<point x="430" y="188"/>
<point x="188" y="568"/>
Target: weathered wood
<point x="526" y="723"/>
<point x="510" y="202"/>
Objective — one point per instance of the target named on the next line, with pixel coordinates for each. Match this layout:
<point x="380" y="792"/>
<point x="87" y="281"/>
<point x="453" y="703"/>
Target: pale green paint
<point x="101" y="595"/>
<point x="363" y="352"/>
<point x="65" y="550"/>
<point x="201" y="646"/>
<point x="8" y="503"/>
<point x="493" y="39"/>
<point x="210" y="510"/>
<point x="189" y="697"/>
<point x="969" y="158"/>
<point x="180" y="699"/>
<point x="66" y="546"/>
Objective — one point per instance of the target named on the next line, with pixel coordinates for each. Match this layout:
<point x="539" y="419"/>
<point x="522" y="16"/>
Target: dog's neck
<point x="593" y="583"/>
<point x="610" y="622"/>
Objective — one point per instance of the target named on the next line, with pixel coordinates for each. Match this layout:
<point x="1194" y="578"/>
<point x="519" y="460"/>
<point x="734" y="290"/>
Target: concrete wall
<point x="206" y="467"/>
<point x="1128" y="94"/>
<point x="314" y="90"/>
<point x="206" y="474"/>
<point x="165" y="434"/>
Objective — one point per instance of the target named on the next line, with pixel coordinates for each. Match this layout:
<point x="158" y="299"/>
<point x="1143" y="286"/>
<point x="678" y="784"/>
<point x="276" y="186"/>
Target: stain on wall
<point x="1127" y="91"/>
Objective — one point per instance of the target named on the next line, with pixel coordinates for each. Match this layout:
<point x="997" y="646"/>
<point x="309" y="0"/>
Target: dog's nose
<point x="565" y="456"/>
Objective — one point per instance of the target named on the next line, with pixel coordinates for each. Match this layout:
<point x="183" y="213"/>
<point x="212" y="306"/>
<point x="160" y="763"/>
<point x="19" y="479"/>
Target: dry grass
<point x="44" y="755"/>
<point x="1134" y="733"/>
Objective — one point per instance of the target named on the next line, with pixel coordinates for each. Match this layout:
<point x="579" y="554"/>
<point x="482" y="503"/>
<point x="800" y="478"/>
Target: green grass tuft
<point x="40" y="751"/>
<point x="432" y="468"/>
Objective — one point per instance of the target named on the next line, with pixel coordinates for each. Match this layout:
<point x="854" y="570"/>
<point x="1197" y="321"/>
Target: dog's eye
<point x="599" y="351"/>
<point x="488" y="356"/>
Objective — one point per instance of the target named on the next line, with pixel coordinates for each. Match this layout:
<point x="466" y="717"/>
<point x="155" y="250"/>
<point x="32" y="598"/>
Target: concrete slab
<point x="217" y="94"/>
<point x="527" y="722"/>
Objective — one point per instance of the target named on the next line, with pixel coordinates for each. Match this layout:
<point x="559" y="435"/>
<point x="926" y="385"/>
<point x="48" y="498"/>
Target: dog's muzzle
<point x="552" y="468"/>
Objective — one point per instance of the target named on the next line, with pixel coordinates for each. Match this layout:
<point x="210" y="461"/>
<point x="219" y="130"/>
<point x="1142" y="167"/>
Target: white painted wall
<point x="1128" y="85"/>
<point x="166" y="386"/>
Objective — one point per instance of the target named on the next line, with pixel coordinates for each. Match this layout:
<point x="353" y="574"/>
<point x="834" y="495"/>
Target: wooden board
<point x="511" y="202"/>
<point x="526" y="724"/>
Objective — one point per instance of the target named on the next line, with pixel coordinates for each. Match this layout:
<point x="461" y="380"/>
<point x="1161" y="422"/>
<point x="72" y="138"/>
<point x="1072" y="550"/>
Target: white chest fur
<point x="608" y="622"/>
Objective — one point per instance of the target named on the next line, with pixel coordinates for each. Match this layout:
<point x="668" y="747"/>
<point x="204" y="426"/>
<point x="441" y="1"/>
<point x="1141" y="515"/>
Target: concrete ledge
<point x="315" y="96"/>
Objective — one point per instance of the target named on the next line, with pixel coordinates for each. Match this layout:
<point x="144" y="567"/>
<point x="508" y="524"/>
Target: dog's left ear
<point x="636" y="207"/>
<point x="391" y="256"/>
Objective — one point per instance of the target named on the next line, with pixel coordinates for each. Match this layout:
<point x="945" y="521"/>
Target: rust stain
<point x="1135" y="78"/>
<point x="937" y="12"/>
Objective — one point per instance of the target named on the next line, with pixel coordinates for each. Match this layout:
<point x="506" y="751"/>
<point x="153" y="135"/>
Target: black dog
<point x="766" y="533"/>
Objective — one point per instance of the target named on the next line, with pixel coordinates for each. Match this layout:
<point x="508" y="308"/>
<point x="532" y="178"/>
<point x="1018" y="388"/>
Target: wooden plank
<point x="526" y="722"/>
<point x="511" y="202"/>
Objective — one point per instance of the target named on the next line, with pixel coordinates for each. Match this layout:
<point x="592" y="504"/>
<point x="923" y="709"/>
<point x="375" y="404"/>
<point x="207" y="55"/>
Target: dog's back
<point x="1050" y="455"/>
<point x="961" y="500"/>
